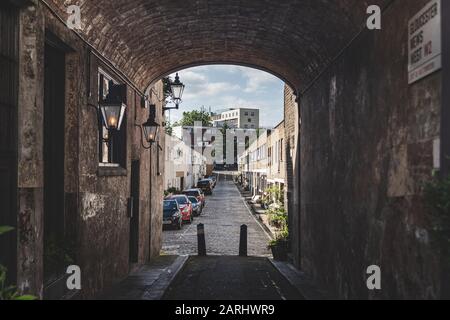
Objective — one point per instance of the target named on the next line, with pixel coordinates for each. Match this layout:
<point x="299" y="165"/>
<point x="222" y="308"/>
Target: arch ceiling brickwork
<point x="146" y="39"/>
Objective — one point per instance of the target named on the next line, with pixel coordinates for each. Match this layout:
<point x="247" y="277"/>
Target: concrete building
<point x="276" y="166"/>
<point x="253" y="165"/>
<point x="240" y="118"/>
<point x="220" y="149"/>
<point x="263" y="164"/>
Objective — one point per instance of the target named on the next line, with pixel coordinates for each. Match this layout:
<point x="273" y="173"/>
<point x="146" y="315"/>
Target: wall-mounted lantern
<point x="150" y="128"/>
<point x="112" y="114"/>
<point x="176" y="89"/>
<point x="113" y="108"/>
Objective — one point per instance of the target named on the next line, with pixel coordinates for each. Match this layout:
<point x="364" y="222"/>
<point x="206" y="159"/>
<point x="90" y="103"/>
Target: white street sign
<point x="425" y="48"/>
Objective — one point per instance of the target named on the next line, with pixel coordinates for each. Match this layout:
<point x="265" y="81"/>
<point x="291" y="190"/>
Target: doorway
<point x="8" y="135"/>
<point x="56" y="255"/>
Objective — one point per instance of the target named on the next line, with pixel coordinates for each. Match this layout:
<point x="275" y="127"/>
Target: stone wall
<point x="30" y="152"/>
<point x="366" y="149"/>
<point x="96" y="214"/>
<point x="292" y="165"/>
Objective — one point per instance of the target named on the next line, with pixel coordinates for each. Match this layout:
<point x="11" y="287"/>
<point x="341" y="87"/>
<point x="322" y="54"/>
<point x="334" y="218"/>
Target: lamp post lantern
<point x="176" y="89"/>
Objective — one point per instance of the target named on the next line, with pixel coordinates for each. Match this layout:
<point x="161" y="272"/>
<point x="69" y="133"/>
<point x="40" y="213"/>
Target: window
<point x="253" y="114"/>
<point x="249" y="120"/>
<point x="246" y="114"/>
<point x="112" y="145"/>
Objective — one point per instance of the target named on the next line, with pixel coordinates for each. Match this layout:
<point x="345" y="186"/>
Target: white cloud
<point x="191" y="76"/>
<point x="210" y="90"/>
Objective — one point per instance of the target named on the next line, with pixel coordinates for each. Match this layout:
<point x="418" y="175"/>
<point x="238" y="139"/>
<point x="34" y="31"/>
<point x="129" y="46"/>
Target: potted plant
<point x="279" y="246"/>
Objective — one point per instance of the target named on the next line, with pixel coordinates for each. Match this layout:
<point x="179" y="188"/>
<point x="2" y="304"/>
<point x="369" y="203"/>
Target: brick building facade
<point x="61" y="184"/>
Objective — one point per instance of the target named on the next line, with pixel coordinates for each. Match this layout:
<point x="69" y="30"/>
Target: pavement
<point x="230" y="278"/>
<point x="149" y="282"/>
<point x="223" y="215"/>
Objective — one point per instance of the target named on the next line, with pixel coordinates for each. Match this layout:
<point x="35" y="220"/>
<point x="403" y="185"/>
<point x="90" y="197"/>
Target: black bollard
<point x="243" y="241"/>
<point x="201" y="243"/>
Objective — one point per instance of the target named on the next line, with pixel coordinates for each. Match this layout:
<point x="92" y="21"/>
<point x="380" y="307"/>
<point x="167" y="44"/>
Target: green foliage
<point x="171" y="191"/>
<point x="437" y="195"/>
<point x="224" y="128"/>
<point x="278" y="217"/>
<point x="190" y="117"/>
<point x="168" y="128"/>
<point x="281" y="238"/>
<point x="9" y="292"/>
<point x="273" y="195"/>
<point x="5" y="229"/>
<point x="166" y="87"/>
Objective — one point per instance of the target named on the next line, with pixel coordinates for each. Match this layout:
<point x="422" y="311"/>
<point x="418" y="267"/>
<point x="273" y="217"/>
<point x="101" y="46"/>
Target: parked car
<point x="197" y="193"/>
<point x="172" y="214"/>
<point x="213" y="179"/>
<point x="185" y="207"/>
<point x="206" y="186"/>
<point x="213" y="185"/>
<point x="196" y="206"/>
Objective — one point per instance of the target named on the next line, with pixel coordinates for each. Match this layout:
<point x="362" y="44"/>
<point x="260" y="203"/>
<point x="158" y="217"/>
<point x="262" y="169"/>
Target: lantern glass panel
<point x="113" y="115"/>
<point x="151" y="132"/>
<point x="177" y="91"/>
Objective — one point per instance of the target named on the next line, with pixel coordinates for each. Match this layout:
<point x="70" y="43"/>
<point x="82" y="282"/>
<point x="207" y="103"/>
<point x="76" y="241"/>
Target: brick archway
<point x="292" y="39"/>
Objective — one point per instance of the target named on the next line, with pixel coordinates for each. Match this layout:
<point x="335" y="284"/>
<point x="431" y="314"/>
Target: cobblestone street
<point x="223" y="215"/>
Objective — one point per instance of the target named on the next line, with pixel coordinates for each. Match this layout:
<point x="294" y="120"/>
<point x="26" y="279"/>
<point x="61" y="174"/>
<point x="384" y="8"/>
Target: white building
<point x="240" y="118"/>
<point x="184" y="167"/>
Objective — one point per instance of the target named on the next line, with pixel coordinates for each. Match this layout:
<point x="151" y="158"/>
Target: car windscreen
<point x="204" y="183"/>
<point x="170" y="205"/>
<point x="191" y="193"/>
<point x="181" y="200"/>
<point x="193" y="199"/>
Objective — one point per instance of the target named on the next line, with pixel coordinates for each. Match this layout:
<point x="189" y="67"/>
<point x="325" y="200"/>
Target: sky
<point x="224" y="86"/>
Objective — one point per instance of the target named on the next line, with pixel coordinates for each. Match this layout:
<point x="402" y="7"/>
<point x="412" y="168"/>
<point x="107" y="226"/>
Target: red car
<point x="198" y="193"/>
<point x="185" y="207"/>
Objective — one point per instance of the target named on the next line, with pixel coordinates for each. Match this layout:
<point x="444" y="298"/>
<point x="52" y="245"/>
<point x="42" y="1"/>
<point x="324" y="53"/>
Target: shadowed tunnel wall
<point x="367" y="142"/>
